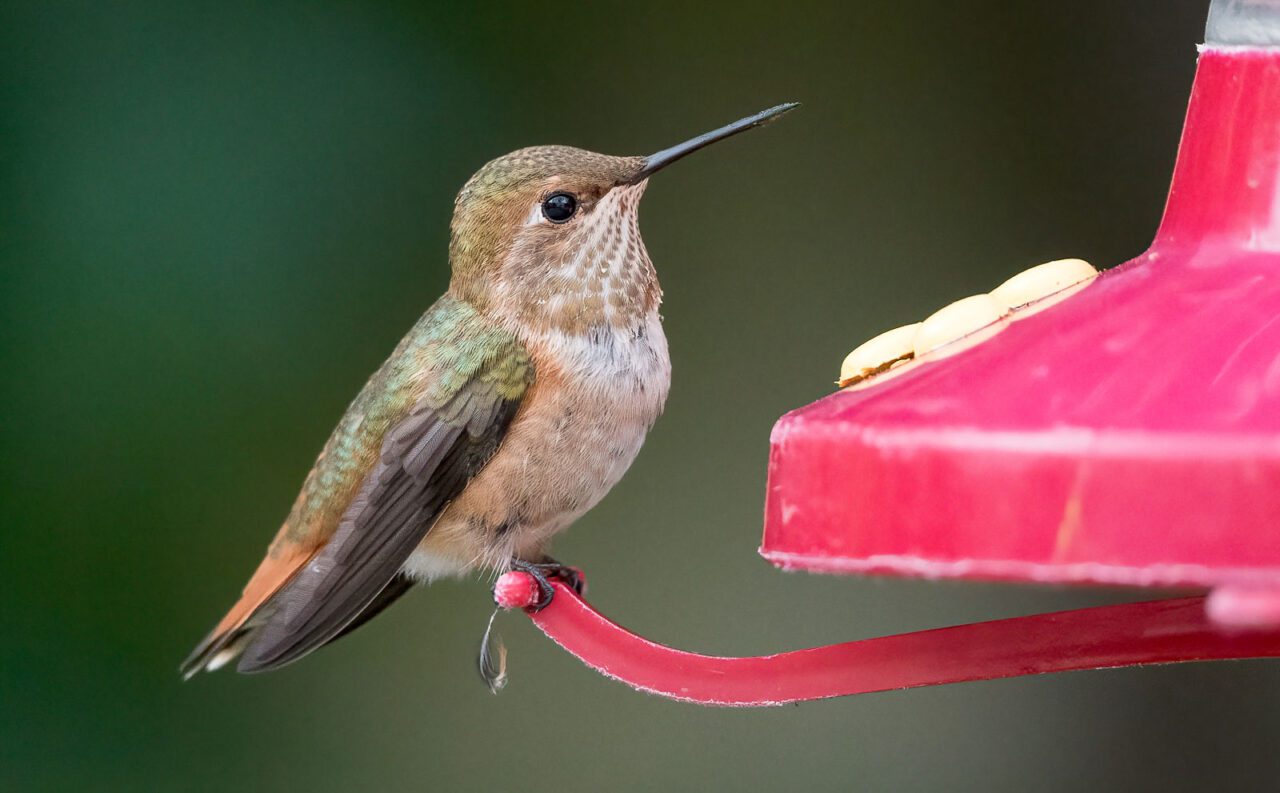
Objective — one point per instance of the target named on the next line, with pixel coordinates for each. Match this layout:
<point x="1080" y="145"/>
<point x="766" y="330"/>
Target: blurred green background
<point x="216" y="220"/>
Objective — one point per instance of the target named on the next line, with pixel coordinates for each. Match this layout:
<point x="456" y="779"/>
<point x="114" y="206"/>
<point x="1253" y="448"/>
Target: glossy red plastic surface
<point x="1167" y="631"/>
<point x="1129" y="434"/>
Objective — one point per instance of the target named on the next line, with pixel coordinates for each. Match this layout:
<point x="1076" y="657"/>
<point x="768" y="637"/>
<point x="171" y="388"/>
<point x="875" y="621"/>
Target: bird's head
<point x="549" y="236"/>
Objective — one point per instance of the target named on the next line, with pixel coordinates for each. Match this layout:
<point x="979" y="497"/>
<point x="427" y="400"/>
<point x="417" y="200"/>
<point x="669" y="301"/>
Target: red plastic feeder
<point x="1129" y="434"/>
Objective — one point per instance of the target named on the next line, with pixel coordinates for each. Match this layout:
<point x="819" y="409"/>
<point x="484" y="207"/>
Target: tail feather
<point x="233" y="632"/>
<point x="215" y="651"/>
<point x="224" y="644"/>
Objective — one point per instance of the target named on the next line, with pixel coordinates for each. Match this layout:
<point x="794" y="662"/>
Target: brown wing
<point x="426" y="460"/>
<point x="390" y="593"/>
<point x="465" y="379"/>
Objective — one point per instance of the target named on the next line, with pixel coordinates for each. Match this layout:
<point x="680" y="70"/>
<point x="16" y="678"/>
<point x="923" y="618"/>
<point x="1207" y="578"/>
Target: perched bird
<point x="513" y="405"/>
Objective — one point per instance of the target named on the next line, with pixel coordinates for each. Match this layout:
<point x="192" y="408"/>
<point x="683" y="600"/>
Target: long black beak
<point x="656" y="162"/>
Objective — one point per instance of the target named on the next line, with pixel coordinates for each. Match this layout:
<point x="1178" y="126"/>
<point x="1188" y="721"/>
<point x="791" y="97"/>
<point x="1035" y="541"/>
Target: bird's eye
<point x="559" y="207"/>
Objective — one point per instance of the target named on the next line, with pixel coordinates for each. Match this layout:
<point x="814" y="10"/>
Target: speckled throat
<point x="598" y="275"/>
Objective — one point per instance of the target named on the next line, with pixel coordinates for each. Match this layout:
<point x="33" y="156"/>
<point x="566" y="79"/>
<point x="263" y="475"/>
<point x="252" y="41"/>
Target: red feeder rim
<point x="1129" y="434"/>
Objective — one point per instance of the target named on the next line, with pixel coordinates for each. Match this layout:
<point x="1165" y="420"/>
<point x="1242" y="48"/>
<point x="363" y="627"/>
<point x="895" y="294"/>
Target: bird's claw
<point x="543" y="572"/>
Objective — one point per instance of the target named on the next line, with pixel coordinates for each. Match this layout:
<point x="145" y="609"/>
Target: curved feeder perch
<point x="1126" y="434"/>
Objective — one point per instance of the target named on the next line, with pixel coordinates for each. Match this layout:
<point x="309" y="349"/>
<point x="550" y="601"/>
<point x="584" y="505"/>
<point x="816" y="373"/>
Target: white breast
<point x="615" y="385"/>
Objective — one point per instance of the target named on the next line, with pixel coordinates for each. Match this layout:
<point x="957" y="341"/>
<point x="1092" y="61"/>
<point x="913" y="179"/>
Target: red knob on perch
<point x="515" y="590"/>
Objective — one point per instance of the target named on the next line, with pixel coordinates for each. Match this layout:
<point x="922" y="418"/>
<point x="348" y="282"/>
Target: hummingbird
<point x="512" y="406"/>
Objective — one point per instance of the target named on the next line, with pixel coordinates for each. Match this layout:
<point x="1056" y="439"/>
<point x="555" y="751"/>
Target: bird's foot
<point x="542" y="573"/>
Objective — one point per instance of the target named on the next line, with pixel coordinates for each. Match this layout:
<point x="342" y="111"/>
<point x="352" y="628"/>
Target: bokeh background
<point x="216" y="220"/>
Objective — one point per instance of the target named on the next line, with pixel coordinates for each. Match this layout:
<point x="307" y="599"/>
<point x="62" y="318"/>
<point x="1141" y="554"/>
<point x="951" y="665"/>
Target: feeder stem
<point x="1132" y="634"/>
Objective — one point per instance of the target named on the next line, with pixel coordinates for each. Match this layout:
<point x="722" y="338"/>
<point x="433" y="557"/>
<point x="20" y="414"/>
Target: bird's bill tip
<point x="656" y="162"/>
